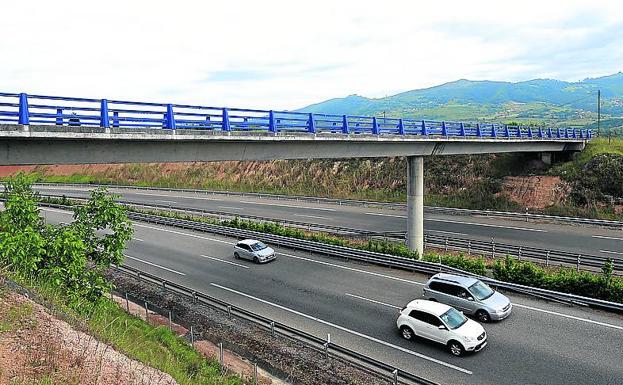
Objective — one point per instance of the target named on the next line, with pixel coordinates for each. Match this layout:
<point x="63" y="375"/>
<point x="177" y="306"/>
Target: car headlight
<point x="469" y="339"/>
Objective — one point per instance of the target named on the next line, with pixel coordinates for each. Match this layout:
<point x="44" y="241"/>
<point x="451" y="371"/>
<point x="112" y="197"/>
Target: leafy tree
<point x="73" y="256"/>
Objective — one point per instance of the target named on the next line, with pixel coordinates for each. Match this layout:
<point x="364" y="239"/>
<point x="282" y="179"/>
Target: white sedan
<point x="253" y="250"/>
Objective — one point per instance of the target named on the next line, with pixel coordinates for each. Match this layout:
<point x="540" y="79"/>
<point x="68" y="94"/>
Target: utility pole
<point x="598" y="112"/>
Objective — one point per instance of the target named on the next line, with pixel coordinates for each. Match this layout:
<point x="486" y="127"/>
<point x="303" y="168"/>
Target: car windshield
<point x="258" y="246"/>
<point x="480" y="290"/>
<point x="453" y="318"/>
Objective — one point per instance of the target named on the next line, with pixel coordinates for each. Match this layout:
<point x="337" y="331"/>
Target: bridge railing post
<point x="104" y="122"/>
<point x="345" y="128"/>
<point x="311" y="124"/>
<point x="494" y="133"/>
<point x="478" y="130"/>
<point x="401" y="127"/>
<point x="115" y="119"/>
<point x="444" y="129"/>
<point x="59" y="116"/>
<point x="225" y="126"/>
<point x="375" y="126"/>
<point x="272" y="127"/>
<point x="24" y="115"/>
<point x="461" y="129"/>
<point x="424" y="130"/>
<point x="170" y="120"/>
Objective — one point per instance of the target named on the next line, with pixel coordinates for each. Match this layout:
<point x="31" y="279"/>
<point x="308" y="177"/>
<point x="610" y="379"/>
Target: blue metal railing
<point x="61" y="111"/>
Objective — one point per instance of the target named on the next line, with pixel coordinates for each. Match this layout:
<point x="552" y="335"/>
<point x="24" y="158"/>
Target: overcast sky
<point x="287" y="54"/>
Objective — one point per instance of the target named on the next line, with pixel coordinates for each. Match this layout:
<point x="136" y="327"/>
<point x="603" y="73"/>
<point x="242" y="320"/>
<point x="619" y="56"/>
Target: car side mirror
<point x="442" y="327"/>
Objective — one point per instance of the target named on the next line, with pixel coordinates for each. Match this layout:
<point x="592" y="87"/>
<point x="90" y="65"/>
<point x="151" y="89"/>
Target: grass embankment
<point x="157" y="347"/>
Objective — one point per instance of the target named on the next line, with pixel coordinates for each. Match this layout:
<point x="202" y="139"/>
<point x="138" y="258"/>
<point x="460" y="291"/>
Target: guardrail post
<point x="221" y="357"/>
<point x="444" y="129"/>
<point x="478" y="130"/>
<point x="104" y="122"/>
<point x="547" y="258"/>
<point x="192" y="336"/>
<point x="255" y="373"/>
<point x="492" y="248"/>
<point x="424" y="130"/>
<point x="401" y="127"/>
<point x="229" y="311"/>
<point x="194" y="297"/>
<point x="170" y="320"/>
<point x="446" y="244"/>
<point x="272" y="126"/>
<point x="170" y="120"/>
<point x="115" y="119"/>
<point x="272" y="328"/>
<point x="345" y="128"/>
<point x="146" y="313"/>
<point x="577" y="266"/>
<point x="461" y="129"/>
<point x="225" y="122"/>
<point x="527" y="215"/>
<point x="395" y="375"/>
<point x="375" y="126"/>
<point x="469" y="248"/>
<point x="24" y="115"/>
<point x="127" y="303"/>
<point x="519" y="254"/>
<point x="59" y="116"/>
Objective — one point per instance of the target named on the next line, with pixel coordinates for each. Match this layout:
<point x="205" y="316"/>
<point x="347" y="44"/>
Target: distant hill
<point x="540" y="100"/>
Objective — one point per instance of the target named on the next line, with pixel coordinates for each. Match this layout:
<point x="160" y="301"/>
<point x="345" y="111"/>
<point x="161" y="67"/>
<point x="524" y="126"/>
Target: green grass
<point x="157" y="347"/>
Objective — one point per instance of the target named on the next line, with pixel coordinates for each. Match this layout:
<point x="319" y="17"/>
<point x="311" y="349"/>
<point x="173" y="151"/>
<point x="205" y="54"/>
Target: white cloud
<point x="286" y="54"/>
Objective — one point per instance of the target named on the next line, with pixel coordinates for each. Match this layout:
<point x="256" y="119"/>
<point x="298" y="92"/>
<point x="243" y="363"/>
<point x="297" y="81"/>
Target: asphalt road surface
<point x="573" y="238"/>
<point x="540" y="343"/>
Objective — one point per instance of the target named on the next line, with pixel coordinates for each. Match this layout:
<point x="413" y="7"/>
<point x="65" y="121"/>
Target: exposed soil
<point x="536" y="192"/>
<point x="279" y="355"/>
<point x="35" y="346"/>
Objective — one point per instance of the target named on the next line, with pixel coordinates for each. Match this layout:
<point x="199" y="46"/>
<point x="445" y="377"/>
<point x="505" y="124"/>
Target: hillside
<point x="547" y="101"/>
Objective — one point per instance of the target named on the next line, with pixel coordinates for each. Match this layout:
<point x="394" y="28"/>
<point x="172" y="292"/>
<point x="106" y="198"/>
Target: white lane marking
<point x="569" y="316"/>
<point x="371" y="300"/>
<point x="611" y="252"/>
<point x="181" y="233"/>
<point x="488" y="225"/>
<point x="165" y="201"/>
<point x="230" y="207"/>
<point x="605" y="237"/>
<point x="352" y="269"/>
<point x="176" y="196"/>
<point x="138" y="239"/>
<point x="312" y="216"/>
<point x="57" y="211"/>
<point x="465" y="223"/>
<point x="420" y="355"/>
<point x="224" y="261"/>
<point x="155" y="265"/>
<point x="386" y="215"/>
<point x="293" y="206"/>
<point x="446" y="232"/>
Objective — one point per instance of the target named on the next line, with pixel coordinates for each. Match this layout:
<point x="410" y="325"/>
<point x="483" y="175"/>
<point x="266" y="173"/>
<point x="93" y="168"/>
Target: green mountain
<point x="544" y="101"/>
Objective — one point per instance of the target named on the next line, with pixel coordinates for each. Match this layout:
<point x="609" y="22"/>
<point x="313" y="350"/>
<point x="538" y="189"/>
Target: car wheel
<point x="236" y="255"/>
<point x="483" y="316"/>
<point x="256" y="260"/>
<point x="407" y="333"/>
<point x="456" y="348"/>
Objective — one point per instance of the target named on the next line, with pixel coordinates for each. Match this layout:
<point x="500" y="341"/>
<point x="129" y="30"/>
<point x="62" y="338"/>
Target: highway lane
<point x="357" y="303"/>
<point x="577" y="239"/>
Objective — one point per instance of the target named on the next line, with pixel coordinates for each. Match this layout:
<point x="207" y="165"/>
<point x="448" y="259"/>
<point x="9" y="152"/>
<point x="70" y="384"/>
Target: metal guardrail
<point x="24" y="109"/>
<point x="363" y="361"/>
<point x="491" y="248"/>
<point x="353" y="202"/>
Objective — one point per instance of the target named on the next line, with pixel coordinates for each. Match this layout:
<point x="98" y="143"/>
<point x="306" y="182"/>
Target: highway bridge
<point x="41" y="129"/>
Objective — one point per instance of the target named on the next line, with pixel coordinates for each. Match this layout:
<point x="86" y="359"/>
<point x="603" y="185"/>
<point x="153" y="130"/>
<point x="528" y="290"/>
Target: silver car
<point x="253" y="250"/>
<point x="469" y="295"/>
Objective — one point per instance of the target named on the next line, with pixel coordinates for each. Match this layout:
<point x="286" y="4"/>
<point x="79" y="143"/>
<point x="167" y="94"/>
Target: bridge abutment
<point x="415" y="204"/>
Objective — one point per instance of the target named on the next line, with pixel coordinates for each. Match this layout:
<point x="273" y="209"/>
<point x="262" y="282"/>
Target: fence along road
<point x="357" y="304"/>
<point x="572" y="240"/>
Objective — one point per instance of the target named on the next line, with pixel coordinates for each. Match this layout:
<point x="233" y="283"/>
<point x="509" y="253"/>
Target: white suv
<point x="441" y="323"/>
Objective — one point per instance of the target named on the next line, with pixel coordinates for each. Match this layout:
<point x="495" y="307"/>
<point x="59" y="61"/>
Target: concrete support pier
<point x="415" y="204"/>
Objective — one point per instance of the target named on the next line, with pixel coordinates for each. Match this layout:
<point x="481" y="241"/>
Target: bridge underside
<point x="20" y="145"/>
